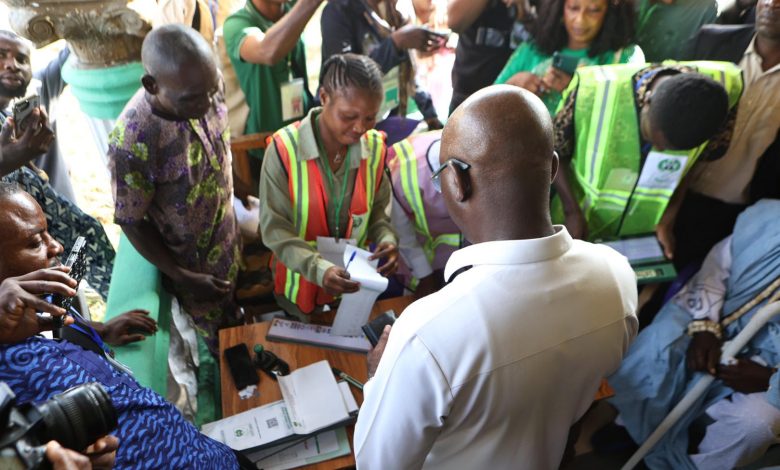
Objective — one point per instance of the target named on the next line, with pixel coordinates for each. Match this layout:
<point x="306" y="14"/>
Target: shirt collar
<point x="307" y="143"/>
<point x="511" y="252"/>
<point x="752" y="54"/>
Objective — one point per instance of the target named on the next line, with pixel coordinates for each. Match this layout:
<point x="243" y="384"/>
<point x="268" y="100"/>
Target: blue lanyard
<point x="81" y="325"/>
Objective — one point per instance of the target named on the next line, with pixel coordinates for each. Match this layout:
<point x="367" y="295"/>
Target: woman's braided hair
<point x="343" y="71"/>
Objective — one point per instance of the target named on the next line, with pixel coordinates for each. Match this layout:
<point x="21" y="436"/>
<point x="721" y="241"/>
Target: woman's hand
<point x="389" y="252"/>
<point x="528" y="81"/>
<point x="336" y="281"/>
<point x="556" y="79"/>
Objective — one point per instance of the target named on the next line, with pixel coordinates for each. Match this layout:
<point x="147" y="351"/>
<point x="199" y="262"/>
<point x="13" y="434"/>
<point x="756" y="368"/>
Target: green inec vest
<point x="616" y="202"/>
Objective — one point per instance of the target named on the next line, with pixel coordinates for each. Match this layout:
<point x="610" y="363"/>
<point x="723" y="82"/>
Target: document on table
<point x="313" y="398"/>
<point x="333" y="250"/>
<point x="355" y="308"/>
<point x="323" y="446"/>
<point x="312" y="402"/>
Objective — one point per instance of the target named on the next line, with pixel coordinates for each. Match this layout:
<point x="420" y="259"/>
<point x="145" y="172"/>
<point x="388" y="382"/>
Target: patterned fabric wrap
<point x="152" y="433"/>
<point x="66" y="223"/>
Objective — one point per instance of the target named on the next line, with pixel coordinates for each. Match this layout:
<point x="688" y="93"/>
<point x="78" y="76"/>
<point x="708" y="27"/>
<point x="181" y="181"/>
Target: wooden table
<point x="296" y="355"/>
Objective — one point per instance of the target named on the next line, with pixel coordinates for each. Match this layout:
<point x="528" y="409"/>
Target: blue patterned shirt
<point x="151" y="432"/>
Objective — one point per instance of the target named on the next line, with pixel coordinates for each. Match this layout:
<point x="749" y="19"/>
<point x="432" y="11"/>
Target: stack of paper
<point x="282" y="329"/>
<point x="313" y="402"/>
<point x="355" y="308"/>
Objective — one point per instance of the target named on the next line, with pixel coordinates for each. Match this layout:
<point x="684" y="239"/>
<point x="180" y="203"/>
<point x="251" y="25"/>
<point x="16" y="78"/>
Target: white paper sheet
<point x="355" y="308"/>
<point x="333" y="250"/>
<point x="268" y="423"/>
<point x="313" y="398"/>
<point x="282" y="329"/>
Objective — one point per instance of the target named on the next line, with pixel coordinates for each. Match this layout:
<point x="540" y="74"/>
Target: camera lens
<point x="79" y="416"/>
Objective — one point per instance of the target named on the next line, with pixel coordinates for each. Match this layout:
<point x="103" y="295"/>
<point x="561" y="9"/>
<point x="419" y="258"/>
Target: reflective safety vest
<point x="309" y="199"/>
<point x="607" y="154"/>
<point x="410" y="172"/>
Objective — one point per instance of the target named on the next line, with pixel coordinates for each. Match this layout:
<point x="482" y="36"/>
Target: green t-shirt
<point x="261" y="84"/>
<point x="527" y="58"/>
<point x="664" y="30"/>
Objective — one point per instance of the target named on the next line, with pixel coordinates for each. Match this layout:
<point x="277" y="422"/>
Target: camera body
<point x="75" y="418"/>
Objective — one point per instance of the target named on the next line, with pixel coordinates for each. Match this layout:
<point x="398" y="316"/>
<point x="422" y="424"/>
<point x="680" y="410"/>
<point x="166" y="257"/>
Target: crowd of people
<point x="571" y="123"/>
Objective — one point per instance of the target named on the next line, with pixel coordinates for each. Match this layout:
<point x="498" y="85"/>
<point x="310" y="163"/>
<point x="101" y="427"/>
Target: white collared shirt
<point x="492" y="370"/>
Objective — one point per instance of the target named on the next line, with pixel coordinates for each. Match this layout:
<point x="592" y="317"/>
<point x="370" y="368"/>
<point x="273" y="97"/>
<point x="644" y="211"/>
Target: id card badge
<point x="333" y="250"/>
<point x="662" y="171"/>
<point x="292" y="99"/>
<point x="392" y="92"/>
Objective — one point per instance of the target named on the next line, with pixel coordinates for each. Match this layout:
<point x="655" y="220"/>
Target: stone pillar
<point x="100" y="33"/>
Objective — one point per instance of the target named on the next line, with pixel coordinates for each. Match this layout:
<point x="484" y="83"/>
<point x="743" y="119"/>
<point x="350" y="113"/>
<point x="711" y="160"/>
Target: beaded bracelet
<point x="698" y="326"/>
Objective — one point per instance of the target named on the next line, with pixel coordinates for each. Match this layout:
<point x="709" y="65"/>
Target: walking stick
<point x="729" y="350"/>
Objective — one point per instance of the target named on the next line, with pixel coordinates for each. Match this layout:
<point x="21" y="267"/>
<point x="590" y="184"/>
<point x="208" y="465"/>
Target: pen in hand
<point x="346" y="268"/>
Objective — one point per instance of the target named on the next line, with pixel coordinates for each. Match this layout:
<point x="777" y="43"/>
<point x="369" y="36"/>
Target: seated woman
<point x="578" y="33"/>
<point x="324" y="177"/>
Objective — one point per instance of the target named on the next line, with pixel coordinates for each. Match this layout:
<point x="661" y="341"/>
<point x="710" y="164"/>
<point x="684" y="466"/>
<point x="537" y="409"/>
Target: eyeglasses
<point x="435" y="177"/>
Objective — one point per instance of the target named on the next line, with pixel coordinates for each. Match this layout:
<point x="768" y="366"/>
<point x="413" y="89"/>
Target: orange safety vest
<point x="309" y="199"/>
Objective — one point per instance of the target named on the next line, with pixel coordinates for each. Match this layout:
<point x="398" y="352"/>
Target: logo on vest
<point x="669" y="165"/>
<point x="358" y="220"/>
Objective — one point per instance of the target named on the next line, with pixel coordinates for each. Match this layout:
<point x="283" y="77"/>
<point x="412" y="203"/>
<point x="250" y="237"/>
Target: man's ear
<point x="150" y="84"/>
<point x="461" y="184"/>
<point x="554" y="168"/>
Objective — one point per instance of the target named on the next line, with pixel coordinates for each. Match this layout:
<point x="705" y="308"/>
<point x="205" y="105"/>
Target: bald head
<point x="181" y="74"/>
<point x="505" y="134"/>
<point x="170" y="47"/>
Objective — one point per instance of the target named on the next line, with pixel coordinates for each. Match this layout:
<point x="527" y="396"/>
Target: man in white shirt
<point x="497" y="366"/>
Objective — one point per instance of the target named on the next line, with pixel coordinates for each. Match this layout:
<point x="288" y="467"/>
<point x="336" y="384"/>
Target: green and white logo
<point x="669" y="164"/>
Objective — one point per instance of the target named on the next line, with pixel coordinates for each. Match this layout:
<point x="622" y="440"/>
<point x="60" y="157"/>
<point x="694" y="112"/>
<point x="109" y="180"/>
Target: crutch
<point x="729" y="350"/>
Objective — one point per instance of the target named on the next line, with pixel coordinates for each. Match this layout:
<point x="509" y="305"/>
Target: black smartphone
<point x="22" y="110"/>
<point x="565" y="63"/>
<point x="241" y="367"/>
<point x="77" y="262"/>
<point x="373" y="329"/>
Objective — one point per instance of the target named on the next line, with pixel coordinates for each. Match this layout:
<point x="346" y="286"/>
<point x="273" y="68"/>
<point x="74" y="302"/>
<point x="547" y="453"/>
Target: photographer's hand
<point x="33" y="141"/>
<point x="66" y="459"/>
<point x="20" y="302"/>
<point x="103" y="452"/>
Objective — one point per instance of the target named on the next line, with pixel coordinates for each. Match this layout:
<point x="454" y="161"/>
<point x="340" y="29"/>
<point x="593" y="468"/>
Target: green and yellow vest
<point x="607" y="154"/>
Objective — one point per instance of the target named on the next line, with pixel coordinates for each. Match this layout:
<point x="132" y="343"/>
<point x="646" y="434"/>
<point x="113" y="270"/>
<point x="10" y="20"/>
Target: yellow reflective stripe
<point x="452" y="239"/>
<point x="411" y="186"/>
<point x="299" y="177"/>
<point x="372" y="166"/>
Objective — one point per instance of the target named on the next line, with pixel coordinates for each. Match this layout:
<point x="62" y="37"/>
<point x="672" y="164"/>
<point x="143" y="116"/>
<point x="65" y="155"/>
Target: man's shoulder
<point x="136" y="129"/>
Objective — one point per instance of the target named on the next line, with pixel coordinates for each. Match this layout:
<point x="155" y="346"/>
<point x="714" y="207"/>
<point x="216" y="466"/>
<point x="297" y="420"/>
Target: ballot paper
<point x="332" y="249"/>
<point x="313" y="401"/>
<point x="355" y="308"/>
